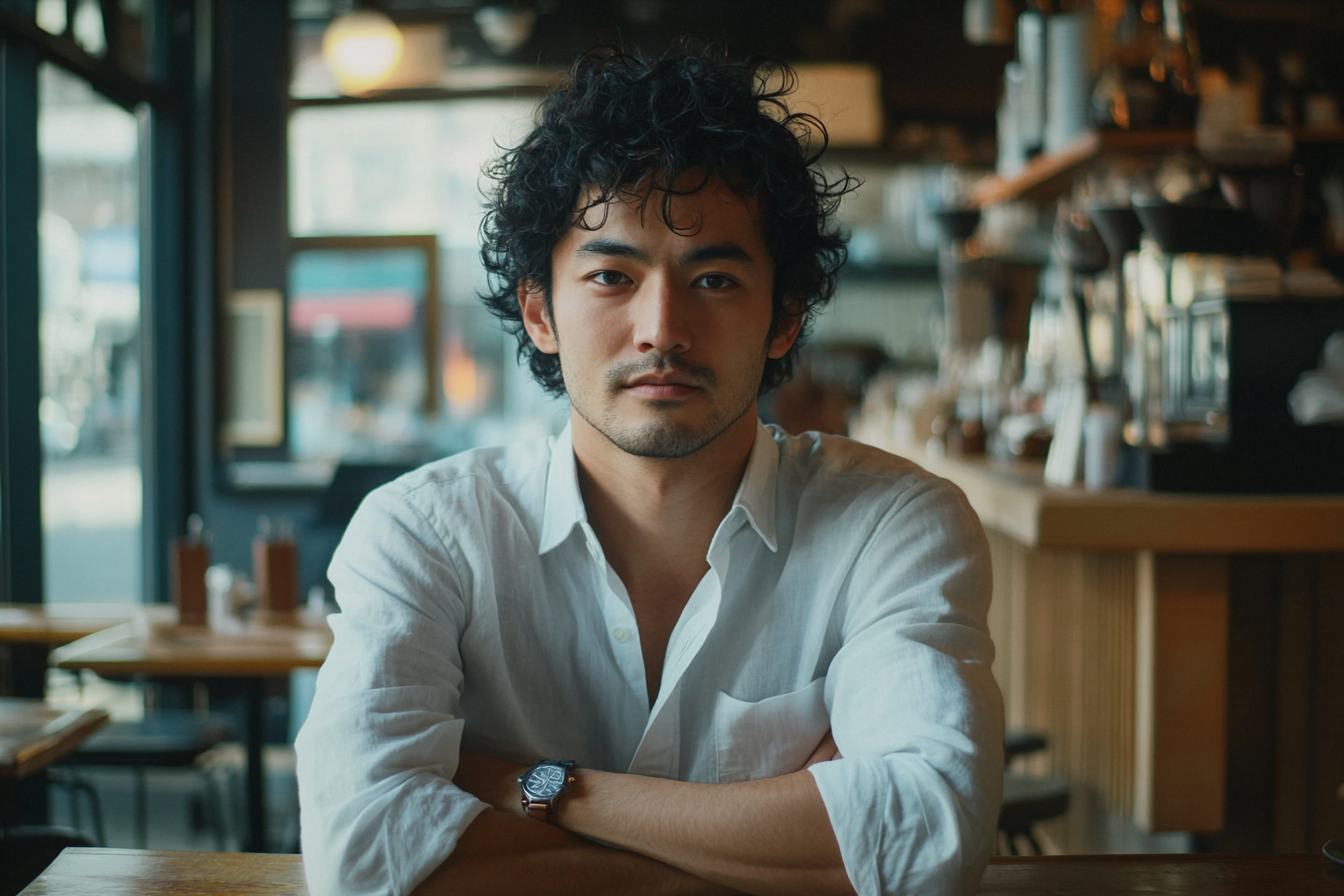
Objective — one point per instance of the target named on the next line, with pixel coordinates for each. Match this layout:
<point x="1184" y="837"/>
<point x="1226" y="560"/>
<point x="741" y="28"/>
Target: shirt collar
<point x="756" y="494"/>
<point x="563" y="508"/>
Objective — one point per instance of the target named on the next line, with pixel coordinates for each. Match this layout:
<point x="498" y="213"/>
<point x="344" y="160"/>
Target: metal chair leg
<point x="72" y="791"/>
<point x="97" y="806"/>
<point x="74" y="784"/>
<point x="141" y="810"/>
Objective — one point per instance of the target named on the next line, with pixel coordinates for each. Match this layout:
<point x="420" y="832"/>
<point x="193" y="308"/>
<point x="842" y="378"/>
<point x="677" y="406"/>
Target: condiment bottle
<point x="188" y="559"/>
<point x="275" y="569"/>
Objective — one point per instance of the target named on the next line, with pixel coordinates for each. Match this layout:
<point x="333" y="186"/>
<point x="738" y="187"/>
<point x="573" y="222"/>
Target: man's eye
<point x="609" y="278"/>
<point x="714" y="281"/>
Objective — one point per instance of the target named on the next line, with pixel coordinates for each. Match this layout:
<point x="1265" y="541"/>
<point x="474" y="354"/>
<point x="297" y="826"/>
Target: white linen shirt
<point x="847" y="590"/>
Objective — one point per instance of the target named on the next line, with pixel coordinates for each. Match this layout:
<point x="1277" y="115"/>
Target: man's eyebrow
<point x="725" y="251"/>
<point x="613" y="248"/>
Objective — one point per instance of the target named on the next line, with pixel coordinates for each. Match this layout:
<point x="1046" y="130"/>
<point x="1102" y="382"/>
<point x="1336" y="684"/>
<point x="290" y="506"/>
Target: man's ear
<point x="537" y="322"/>
<point x="786" y="333"/>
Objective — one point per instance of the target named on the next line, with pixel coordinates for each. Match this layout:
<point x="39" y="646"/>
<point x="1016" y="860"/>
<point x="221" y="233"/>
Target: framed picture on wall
<point x="254" y="350"/>
<point x="362" y="347"/>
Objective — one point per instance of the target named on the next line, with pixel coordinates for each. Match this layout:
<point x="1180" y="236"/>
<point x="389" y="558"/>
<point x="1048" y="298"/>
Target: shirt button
<point x="621" y="634"/>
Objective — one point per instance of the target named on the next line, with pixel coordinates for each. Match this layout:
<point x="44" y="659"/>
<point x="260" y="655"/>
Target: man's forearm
<point x="767" y="836"/>
<point x="509" y="855"/>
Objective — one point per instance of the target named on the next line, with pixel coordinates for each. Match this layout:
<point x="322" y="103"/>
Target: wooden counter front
<point x="1179" y="651"/>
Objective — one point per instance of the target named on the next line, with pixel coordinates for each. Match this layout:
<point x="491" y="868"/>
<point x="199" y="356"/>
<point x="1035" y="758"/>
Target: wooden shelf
<point x="1048" y="169"/>
<point x="1046" y="174"/>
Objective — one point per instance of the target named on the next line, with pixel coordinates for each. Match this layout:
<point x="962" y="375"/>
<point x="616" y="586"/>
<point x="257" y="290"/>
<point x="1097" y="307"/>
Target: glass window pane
<point x="51" y="16"/>
<point x="90" y="325"/>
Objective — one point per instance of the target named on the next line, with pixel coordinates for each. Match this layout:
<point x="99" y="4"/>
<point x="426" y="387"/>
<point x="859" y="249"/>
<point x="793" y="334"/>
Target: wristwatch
<point x="544" y="785"/>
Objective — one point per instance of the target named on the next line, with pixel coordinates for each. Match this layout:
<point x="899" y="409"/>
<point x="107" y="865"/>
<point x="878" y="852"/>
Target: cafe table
<point x="30" y="631"/>
<point x="55" y="624"/>
<point x="250" y="654"/>
<point x="129" y="872"/>
<point x="34" y="734"/>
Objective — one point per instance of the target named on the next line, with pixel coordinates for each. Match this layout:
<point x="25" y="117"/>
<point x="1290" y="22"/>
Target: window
<point x="89" y="342"/>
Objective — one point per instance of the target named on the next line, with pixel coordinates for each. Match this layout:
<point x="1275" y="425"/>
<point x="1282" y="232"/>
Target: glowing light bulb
<point x="362" y="48"/>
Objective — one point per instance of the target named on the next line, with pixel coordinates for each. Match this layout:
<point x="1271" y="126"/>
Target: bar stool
<point x="1028" y="800"/>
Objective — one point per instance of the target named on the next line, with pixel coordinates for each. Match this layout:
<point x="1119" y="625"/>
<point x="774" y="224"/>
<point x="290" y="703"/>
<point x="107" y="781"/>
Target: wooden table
<point x="57" y="624"/>
<point x="252" y="654"/>
<point x="1260" y="874"/>
<point x="129" y="872"/>
<point x="136" y="872"/>
<point x="28" y="632"/>
<point x="168" y="650"/>
<point x="34" y="734"/>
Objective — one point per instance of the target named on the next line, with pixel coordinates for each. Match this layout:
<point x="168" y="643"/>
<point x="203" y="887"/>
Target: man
<point x="671" y="650"/>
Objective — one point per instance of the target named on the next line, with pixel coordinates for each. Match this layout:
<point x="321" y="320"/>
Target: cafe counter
<point x="1179" y="651"/>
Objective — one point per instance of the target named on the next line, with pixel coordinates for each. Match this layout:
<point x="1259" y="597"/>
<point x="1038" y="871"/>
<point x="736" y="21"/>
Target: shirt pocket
<point x="771" y="737"/>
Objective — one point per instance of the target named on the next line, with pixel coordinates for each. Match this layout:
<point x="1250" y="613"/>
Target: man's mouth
<point x="659" y="379"/>
<point x="661" y="387"/>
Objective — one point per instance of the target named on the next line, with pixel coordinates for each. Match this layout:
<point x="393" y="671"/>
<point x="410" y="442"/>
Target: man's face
<point x="663" y="336"/>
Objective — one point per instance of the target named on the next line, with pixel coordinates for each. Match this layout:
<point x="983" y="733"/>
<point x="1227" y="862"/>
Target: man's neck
<point x="657" y="516"/>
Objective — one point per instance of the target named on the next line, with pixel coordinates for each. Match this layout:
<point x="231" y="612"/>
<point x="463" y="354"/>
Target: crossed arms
<point x="766" y="836"/>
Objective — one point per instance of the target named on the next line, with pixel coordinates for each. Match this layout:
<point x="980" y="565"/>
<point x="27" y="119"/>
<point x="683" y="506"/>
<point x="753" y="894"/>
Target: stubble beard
<point x="663" y="437"/>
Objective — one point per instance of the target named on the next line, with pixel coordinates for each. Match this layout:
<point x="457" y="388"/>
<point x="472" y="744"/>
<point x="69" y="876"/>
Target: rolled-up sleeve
<point x="377" y="754"/>
<point x="914" y="707"/>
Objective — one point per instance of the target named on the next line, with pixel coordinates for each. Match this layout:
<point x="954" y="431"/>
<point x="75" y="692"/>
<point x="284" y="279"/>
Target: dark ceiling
<point x="929" y="72"/>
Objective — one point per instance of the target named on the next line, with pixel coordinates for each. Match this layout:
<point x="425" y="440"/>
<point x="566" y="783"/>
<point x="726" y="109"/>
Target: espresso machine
<point x="1215" y="342"/>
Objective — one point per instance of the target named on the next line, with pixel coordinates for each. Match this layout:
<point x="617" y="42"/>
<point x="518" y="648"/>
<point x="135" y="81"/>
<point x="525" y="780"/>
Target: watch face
<point x="544" y="781"/>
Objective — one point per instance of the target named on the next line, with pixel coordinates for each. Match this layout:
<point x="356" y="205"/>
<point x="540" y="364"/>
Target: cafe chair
<point x="27" y="850"/>
<point x="1028" y="800"/>
<point x="162" y="739"/>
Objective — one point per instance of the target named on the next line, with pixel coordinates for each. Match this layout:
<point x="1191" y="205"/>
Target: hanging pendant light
<point x="362" y="48"/>
<point x="505" y="28"/>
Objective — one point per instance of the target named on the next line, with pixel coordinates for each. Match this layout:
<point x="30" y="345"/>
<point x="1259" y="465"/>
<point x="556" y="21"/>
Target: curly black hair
<point x="623" y="121"/>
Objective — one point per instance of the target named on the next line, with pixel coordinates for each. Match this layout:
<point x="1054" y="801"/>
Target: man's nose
<point x="661" y="317"/>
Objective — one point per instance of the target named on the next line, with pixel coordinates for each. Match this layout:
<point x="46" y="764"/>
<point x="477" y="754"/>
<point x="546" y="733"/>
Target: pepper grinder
<point x="189" y="558"/>
<point x="275" y="569"/>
